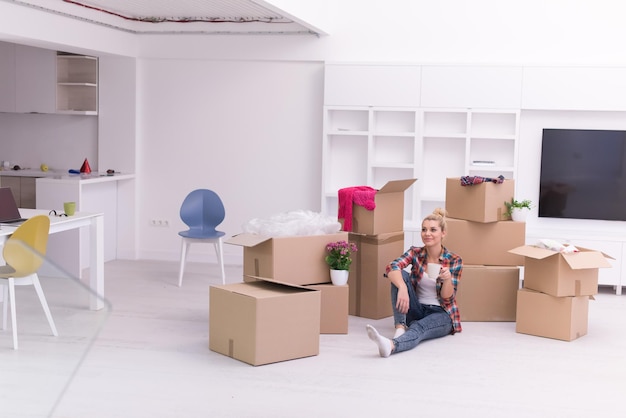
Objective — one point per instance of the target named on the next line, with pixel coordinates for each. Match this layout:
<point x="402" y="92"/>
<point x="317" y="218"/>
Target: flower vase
<point x="339" y="277"/>
<point x="519" y="214"/>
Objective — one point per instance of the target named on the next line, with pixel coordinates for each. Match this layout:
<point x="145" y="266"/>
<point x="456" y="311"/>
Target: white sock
<point x="384" y="344"/>
<point x="399" y="332"/>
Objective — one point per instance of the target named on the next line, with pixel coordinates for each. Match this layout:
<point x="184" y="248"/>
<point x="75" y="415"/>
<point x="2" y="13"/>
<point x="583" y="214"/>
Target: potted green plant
<point x="518" y="209"/>
<point x="339" y="259"/>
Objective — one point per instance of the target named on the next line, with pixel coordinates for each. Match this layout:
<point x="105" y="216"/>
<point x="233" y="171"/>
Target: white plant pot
<point x="339" y="277"/>
<point x="519" y="214"/>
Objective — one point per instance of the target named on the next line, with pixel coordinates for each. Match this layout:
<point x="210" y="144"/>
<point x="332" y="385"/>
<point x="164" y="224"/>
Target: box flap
<point x="584" y="259"/>
<point x="270" y="280"/>
<point x="533" y="252"/>
<point x="396" y="186"/>
<point x="247" y="240"/>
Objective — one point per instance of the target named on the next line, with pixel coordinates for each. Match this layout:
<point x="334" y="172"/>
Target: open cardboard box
<point x="388" y="216"/>
<point x="264" y="321"/>
<point x="291" y="259"/>
<point x="562" y="274"/>
<point x="483" y="202"/>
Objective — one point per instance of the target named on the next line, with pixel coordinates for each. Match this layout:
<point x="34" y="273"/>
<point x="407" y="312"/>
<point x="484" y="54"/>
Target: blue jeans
<point x="423" y="322"/>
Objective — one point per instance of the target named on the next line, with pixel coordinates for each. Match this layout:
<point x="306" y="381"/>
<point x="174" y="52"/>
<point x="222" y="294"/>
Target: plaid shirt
<point x="416" y="257"/>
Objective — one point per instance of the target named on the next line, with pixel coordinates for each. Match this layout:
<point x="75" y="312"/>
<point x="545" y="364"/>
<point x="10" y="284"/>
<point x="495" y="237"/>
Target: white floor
<point x="151" y="359"/>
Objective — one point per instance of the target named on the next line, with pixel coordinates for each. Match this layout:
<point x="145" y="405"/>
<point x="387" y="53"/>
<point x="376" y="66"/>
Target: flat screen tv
<point x="583" y="174"/>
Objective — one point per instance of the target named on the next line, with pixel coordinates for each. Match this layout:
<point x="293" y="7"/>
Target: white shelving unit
<point x="368" y="146"/>
<point x="77" y="84"/>
<point x="460" y="142"/>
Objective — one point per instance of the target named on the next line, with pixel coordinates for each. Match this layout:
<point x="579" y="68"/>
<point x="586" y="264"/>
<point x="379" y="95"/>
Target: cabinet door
<point x="14" y="184"/>
<point x="372" y="85"/>
<point x="7" y="77"/>
<point x="35" y="80"/>
<point x="471" y="86"/>
<point x="27" y="192"/>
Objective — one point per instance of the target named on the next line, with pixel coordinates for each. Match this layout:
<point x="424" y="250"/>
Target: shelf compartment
<point x="443" y="158"/>
<point x="393" y="150"/>
<point x="340" y="120"/>
<point x="346" y="162"/>
<point x="502" y="152"/>
<point x="389" y="122"/>
<point x="489" y="125"/>
<point x="438" y="123"/>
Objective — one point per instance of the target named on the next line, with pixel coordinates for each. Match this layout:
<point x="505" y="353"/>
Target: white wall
<point x="242" y="114"/>
<point x="60" y="141"/>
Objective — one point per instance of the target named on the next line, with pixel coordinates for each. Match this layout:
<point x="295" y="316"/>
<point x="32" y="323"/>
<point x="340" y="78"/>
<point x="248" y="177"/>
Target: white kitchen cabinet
<point x="34" y="80"/>
<point x="372" y="85"/>
<point x="471" y="86"/>
<point x="76" y="84"/>
<point x="368" y="146"/>
<point x="574" y="88"/>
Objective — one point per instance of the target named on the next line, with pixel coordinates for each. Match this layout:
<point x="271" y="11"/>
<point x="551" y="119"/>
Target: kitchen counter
<point x="65" y="176"/>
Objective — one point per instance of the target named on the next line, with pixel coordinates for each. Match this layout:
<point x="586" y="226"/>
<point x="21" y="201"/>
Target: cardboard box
<point x="543" y="315"/>
<point x="334" y="308"/>
<point x="488" y="293"/>
<point x="482" y="202"/>
<point x="560" y="274"/>
<point x="294" y="259"/>
<point x="486" y="243"/>
<point x="370" y="291"/>
<point x="388" y="216"/>
<point x="264" y="321"/>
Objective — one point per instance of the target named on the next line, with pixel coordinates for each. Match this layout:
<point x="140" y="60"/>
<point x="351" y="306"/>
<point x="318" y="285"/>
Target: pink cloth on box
<point x="359" y="195"/>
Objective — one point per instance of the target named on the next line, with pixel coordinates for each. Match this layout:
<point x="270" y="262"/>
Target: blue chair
<point x="202" y="210"/>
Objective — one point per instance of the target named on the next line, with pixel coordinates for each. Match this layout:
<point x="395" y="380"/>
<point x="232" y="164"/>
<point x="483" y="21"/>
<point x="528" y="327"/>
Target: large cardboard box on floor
<point x="291" y="259"/>
<point x="486" y="243"/>
<point x="562" y="318"/>
<point x="488" y="293"/>
<point x="388" y="216"/>
<point x="334" y="308"/>
<point x="370" y="291"/>
<point x="561" y="274"/>
<point x="483" y="202"/>
<point x="264" y="322"/>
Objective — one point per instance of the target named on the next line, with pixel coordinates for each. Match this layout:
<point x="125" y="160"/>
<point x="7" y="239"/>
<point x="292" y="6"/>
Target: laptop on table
<point x="9" y="212"/>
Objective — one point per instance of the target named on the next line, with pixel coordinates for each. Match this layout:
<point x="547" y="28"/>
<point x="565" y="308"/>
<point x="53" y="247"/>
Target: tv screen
<point x="583" y="174"/>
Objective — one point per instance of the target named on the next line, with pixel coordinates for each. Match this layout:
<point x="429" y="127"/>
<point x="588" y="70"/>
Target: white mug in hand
<point x="433" y="270"/>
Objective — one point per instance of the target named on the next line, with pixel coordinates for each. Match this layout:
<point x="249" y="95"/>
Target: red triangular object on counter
<point x="85" y="167"/>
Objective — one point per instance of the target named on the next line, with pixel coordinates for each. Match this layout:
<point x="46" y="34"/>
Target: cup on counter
<point x="433" y="270"/>
<point x="69" y="208"/>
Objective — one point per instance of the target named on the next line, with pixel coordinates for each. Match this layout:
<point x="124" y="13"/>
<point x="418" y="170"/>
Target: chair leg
<point x="5" y="305"/>
<point x="44" y="304"/>
<point x="183" y="256"/>
<point x="13" y="313"/>
<point x="219" y="250"/>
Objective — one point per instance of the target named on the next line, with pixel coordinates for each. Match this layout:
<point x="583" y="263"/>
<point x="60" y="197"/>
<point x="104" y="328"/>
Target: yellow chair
<point x="24" y="254"/>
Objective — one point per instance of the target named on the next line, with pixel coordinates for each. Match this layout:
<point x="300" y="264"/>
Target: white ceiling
<point x="233" y="17"/>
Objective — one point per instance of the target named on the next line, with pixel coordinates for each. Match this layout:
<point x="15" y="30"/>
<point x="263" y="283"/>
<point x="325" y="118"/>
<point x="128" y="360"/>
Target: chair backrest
<point x="202" y="209"/>
<point x="26" y="248"/>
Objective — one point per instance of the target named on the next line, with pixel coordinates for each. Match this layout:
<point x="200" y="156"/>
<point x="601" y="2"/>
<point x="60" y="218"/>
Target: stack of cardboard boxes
<point x="285" y="301"/>
<point x="379" y="237"/>
<point x="479" y="231"/>
<point x="554" y="301"/>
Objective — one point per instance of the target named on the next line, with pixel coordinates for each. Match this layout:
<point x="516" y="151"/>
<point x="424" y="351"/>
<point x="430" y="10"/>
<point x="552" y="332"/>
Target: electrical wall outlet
<point x="159" y="222"/>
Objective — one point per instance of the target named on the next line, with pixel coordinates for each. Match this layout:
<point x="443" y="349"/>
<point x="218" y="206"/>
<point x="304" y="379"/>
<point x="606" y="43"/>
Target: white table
<point x="95" y="222"/>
